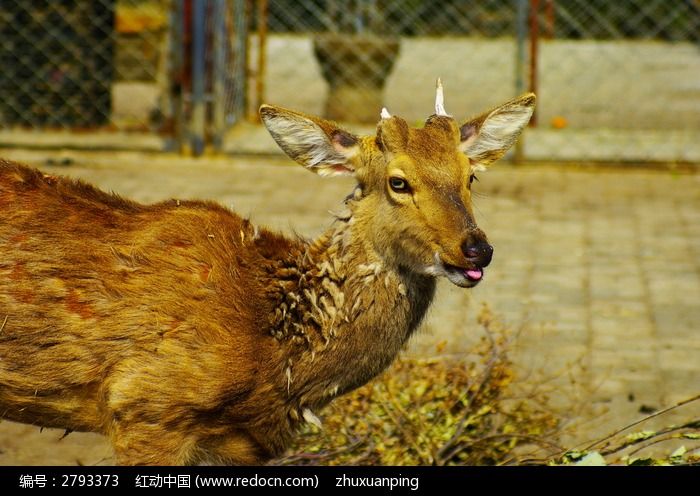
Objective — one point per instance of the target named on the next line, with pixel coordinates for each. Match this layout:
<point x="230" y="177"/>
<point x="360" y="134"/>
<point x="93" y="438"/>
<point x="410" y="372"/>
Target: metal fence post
<point x="175" y="115"/>
<point x="240" y="21"/>
<point x="521" y="33"/>
<point x="262" y="13"/>
<point x="534" y="51"/>
<point x="197" y="121"/>
<point x="219" y="52"/>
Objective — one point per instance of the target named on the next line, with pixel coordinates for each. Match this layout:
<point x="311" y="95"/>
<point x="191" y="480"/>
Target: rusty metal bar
<point x="262" y="62"/>
<point x="198" y="118"/>
<point x="534" y="51"/>
<point x="218" y="72"/>
<point x="549" y="19"/>
<point x="521" y="34"/>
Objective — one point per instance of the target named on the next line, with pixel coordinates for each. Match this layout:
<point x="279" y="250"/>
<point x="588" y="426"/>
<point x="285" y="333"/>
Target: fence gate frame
<point x="209" y="70"/>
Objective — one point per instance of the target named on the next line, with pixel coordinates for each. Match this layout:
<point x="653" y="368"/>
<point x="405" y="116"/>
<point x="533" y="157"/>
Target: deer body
<point x="185" y="333"/>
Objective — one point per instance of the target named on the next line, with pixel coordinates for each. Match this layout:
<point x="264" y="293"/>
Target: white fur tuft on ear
<point x="489" y="136"/>
<point x="328" y="152"/>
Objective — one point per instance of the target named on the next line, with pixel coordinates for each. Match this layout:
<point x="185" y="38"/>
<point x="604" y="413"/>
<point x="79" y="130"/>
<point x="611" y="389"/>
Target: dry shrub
<point x="439" y="411"/>
<point x="473" y="409"/>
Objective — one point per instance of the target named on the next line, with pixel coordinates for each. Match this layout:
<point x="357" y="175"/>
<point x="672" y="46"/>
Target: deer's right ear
<point x="317" y="144"/>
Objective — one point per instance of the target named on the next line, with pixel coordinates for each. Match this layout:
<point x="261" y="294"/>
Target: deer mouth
<point x="464" y="277"/>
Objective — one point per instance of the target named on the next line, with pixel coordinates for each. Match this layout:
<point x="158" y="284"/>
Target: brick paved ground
<point x="598" y="267"/>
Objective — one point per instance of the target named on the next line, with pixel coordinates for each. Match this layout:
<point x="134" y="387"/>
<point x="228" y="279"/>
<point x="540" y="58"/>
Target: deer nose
<point x="479" y="253"/>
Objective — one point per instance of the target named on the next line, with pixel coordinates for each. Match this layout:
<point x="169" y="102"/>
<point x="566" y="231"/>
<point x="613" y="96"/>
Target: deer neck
<point x="344" y="313"/>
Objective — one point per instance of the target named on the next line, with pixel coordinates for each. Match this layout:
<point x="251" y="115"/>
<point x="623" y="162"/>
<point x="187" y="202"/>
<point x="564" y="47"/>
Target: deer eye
<point x="399" y="185"/>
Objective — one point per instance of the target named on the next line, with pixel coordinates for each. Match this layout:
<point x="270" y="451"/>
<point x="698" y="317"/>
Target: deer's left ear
<point x="317" y="144"/>
<point x="486" y="138"/>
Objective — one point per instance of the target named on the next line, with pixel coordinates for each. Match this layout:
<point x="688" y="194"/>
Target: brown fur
<point x="188" y="335"/>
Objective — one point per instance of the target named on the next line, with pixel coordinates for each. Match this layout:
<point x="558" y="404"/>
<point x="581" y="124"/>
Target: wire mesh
<point x="79" y="64"/>
<point x="615" y="80"/>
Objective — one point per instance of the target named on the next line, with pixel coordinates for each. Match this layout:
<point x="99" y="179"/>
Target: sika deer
<point x="188" y="335"/>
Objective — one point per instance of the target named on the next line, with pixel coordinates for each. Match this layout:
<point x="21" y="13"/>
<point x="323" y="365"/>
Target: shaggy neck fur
<point x="343" y="314"/>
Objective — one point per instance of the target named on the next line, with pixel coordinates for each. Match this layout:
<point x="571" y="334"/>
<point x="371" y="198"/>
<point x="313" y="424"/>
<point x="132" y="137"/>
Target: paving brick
<point x="680" y="359"/>
<point x="625" y="359"/>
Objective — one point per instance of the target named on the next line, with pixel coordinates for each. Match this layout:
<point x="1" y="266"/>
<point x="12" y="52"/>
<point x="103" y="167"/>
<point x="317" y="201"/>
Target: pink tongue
<point x="474" y="274"/>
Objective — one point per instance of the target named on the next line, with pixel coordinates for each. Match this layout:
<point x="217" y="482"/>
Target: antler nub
<point x="439" y="99"/>
<point x="385" y="114"/>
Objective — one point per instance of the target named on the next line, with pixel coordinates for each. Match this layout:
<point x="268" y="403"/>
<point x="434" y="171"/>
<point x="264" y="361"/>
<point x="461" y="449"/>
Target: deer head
<point x="414" y="206"/>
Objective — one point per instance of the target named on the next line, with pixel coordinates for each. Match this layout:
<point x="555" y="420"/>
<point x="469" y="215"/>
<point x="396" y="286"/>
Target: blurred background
<point x="596" y="229"/>
<point x="616" y="81"/>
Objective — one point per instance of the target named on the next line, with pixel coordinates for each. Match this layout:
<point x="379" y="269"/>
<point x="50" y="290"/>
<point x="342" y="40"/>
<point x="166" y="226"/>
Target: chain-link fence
<point x="616" y="81"/>
<point x="173" y="69"/>
<point x="81" y="64"/>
